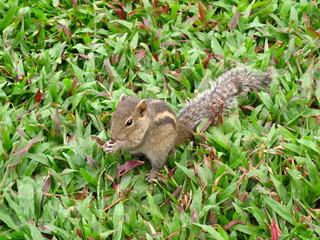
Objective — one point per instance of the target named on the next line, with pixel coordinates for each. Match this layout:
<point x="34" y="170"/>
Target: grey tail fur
<point x="224" y="90"/>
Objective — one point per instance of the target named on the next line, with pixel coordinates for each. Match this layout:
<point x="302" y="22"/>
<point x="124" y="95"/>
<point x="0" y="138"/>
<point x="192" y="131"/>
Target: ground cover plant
<point x="63" y="66"/>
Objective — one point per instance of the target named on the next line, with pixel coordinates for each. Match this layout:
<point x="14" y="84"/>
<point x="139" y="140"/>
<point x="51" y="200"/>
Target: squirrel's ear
<point x="142" y="108"/>
<point x="122" y="97"/>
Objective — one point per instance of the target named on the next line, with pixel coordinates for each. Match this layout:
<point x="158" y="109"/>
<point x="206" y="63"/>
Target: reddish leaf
<point x="210" y="121"/>
<point x="300" y="52"/>
<point x="171" y="172"/>
<point x="164" y="9"/>
<point x="317" y="117"/>
<point x="124" y="168"/>
<point x="206" y="62"/>
<point x="274" y="60"/>
<point x="107" y="65"/>
<point x="40" y="125"/>
<point x="296" y="98"/>
<point x="315" y="210"/>
<point x="234" y="21"/>
<point x="78" y="232"/>
<point x="202" y="13"/>
<point x="98" y="140"/>
<point x="247" y="107"/>
<point x="243" y="196"/>
<point x="27" y="111"/>
<point x="65" y="29"/>
<point x="175" y="194"/>
<point x="74" y="3"/>
<point x="56" y="125"/>
<point x="279" y="147"/>
<point x="91" y="161"/>
<point x="73" y="86"/>
<point x="210" y="158"/>
<point x="194" y="215"/>
<point x="21" y="133"/>
<point x="146" y="24"/>
<point x="116" y="186"/>
<point x="18" y="77"/>
<point x="220" y="118"/>
<point x="140" y="25"/>
<point x="38" y="96"/>
<point x="112" y="204"/>
<point x="206" y="125"/>
<point x="115" y="58"/>
<point x="274" y="230"/>
<point x="173" y="234"/>
<point x="158" y="35"/>
<point x="278" y="153"/>
<point x="155" y="4"/>
<point x="125" y="192"/>
<point x="121" y="14"/>
<point x="103" y="94"/>
<point x="155" y="56"/>
<point x="141" y="53"/>
<point x="211" y="218"/>
<point x="26" y="148"/>
<point x="110" y="178"/>
<point x="131" y="13"/>
<point x="232" y="223"/>
<point x="306" y="19"/>
<point x="176" y="74"/>
<point x="170" y="43"/>
<point x="83" y="55"/>
<point x="5" y="70"/>
<point x="46" y="185"/>
<point x="313" y="32"/>
<point x="117" y="26"/>
<point x="45" y="189"/>
<point x="259" y="49"/>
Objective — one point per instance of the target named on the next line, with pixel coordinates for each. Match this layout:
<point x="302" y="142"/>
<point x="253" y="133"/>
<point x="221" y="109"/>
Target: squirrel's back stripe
<point x="165" y="118"/>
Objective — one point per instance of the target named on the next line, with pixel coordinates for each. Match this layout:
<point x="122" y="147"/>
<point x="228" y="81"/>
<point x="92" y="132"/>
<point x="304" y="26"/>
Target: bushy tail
<point x="224" y="90"/>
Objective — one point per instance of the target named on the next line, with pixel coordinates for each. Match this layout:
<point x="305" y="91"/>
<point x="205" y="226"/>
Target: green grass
<point x="63" y="66"/>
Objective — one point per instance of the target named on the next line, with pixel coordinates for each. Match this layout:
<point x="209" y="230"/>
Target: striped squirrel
<point x="151" y="128"/>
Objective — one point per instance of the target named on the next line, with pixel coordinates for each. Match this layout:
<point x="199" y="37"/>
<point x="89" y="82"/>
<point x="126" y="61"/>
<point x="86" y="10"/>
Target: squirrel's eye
<point x="129" y="122"/>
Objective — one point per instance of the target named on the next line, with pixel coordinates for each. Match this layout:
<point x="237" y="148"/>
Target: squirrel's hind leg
<point x="157" y="161"/>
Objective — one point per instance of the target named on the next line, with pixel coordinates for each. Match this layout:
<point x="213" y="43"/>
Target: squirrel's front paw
<point x="110" y="147"/>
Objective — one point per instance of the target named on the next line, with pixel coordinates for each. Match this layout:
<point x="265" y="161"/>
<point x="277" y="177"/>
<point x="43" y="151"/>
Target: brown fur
<point x="155" y="128"/>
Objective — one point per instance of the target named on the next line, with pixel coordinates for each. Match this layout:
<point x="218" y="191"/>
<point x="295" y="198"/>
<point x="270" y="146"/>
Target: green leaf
<point x="89" y="178"/>
<point x="6" y="218"/>
<point x="306" y="141"/>
<point x="313" y="172"/>
<point x="188" y="172"/>
<point x="124" y="23"/>
<point x="212" y="232"/>
<point x="35" y="232"/>
<point x="216" y="47"/>
<point x="279" y="209"/>
<point x="8" y="17"/>
<point x="6" y="139"/>
<point x="26" y="197"/>
<point x="266" y="99"/>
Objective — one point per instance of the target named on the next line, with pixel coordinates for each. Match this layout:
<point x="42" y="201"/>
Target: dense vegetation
<point x="63" y="66"/>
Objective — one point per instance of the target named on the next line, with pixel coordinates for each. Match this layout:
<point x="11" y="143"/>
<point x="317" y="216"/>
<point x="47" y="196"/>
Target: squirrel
<point x="151" y="128"/>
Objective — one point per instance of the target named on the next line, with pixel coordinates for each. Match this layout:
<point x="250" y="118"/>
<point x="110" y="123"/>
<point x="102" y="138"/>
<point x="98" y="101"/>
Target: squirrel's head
<point x="129" y="121"/>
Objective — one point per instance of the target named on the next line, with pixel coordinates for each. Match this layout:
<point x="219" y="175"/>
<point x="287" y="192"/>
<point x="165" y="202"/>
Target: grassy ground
<point x="63" y="66"/>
